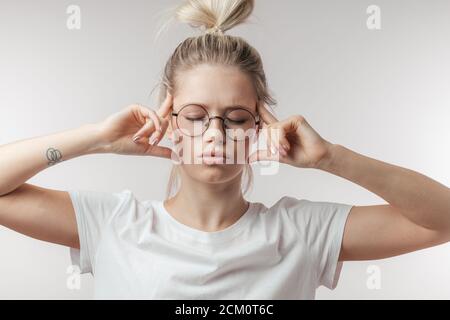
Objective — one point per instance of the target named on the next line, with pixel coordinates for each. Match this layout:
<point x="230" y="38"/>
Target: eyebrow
<point x="226" y="107"/>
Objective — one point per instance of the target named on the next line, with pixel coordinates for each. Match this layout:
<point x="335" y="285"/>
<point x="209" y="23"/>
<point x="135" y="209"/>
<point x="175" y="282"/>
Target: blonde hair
<point x="214" y="47"/>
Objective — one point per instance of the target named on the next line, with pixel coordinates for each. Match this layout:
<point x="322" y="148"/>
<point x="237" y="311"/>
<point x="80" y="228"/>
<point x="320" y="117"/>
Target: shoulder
<point x="298" y="206"/>
<point x="104" y="205"/>
<point x="293" y="206"/>
<point x="308" y="214"/>
<point x="88" y="196"/>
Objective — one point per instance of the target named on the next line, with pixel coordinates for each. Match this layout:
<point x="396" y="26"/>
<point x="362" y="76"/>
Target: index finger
<point x="266" y="115"/>
<point x="164" y="110"/>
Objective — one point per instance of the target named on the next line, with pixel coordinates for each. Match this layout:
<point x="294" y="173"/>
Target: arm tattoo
<point x="53" y="156"/>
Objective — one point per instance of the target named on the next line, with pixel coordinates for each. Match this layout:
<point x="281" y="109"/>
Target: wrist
<point x="326" y="163"/>
<point x="99" y="144"/>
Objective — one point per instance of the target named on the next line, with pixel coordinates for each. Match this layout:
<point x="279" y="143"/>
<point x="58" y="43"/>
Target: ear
<point x="169" y="116"/>
<point x="260" y="124"/>
<point x="169" y="129"/>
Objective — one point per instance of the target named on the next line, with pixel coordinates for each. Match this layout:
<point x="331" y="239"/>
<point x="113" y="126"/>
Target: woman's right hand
<point x="141" y="123"/>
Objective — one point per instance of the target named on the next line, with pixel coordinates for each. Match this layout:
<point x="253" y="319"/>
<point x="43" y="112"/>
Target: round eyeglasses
<point x="238" y="123"/>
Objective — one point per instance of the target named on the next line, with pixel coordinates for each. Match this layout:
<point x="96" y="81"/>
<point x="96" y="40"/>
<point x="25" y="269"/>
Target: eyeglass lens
<point x="193" y="120"/>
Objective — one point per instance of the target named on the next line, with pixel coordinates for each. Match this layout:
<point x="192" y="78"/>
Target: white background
<point x="383" y="93"/>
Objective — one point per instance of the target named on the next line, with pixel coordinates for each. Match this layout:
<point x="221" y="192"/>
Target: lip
<point x="213" y="160"/>
<point x="214" y="155"/>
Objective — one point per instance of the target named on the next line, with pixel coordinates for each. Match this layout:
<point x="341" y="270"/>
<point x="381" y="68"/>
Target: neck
<point x="208" y="206"/>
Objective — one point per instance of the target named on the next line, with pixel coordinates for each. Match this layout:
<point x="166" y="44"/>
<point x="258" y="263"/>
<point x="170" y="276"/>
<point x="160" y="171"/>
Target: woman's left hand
<point x="295" y="141"/>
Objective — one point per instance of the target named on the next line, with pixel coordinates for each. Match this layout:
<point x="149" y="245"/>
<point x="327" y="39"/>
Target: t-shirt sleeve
<point x="94" y="211"/>
<point x="321" y="227"/>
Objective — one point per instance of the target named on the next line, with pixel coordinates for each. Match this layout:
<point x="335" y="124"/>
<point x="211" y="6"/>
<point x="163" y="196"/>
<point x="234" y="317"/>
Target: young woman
<point x="205" y="240"/>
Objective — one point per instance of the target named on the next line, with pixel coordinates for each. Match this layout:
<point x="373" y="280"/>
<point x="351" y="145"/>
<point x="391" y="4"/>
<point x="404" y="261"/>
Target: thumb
<point x="159" y="151"/>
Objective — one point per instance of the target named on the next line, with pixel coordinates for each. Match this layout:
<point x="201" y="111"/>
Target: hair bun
<point x="214" y="16"/>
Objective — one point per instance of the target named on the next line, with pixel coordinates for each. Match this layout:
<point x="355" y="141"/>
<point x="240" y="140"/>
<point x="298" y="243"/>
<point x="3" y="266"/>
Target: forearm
<point x="21" y="160"/>
<point x="421" y="199"/>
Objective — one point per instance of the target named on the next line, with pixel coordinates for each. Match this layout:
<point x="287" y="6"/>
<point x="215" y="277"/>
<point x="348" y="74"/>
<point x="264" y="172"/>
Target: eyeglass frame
<point x="255" y="118"/>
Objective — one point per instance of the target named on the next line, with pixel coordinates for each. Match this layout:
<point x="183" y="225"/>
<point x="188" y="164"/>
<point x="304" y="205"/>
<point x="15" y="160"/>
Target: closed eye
<point x="237" y="121"/>
<point x="194" y="119"/>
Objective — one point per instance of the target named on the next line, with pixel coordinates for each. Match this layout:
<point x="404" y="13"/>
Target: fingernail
<point x="136" y="138"/>
<point x="283" y="151"/>
<point x="153" y="140"/>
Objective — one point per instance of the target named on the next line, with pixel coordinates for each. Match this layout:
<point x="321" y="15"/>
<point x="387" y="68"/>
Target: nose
<point x="215" y="131"/>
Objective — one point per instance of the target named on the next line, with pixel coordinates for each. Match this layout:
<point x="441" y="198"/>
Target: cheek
<point x="241" y="149"/>
<point x="188" y="148"/>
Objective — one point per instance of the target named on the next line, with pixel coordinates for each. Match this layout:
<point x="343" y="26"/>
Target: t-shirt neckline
<point x="209" y="236"/>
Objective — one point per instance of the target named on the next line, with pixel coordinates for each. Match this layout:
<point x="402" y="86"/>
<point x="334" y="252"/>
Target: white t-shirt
<point x="136" y="250"/>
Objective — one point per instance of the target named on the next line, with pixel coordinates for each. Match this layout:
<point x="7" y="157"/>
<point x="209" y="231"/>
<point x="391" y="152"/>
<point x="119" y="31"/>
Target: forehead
<point x="215" y="87"/>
